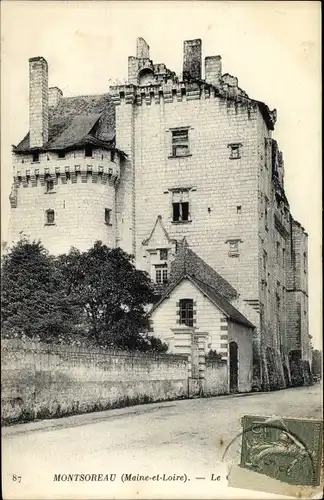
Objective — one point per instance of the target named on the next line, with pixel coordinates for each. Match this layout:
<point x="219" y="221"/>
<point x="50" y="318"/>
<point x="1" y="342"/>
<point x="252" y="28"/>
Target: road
<point x="176" y="437"/>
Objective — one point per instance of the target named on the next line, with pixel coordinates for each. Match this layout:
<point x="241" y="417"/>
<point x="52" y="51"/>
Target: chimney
<point x="38" y="102"/>
<point x="54" y="96"/>
<point x="191" y="60"/>
<point x="213" y="70"/>
<point x="133" y="70"/>
<point x="142" y="49"/>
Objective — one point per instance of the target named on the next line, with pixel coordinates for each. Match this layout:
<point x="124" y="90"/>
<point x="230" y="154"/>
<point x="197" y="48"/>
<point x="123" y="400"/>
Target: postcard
<point x="161" y="298"/>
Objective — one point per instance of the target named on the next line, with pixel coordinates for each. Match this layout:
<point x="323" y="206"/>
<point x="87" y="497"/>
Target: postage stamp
<point x="289" y="450"/>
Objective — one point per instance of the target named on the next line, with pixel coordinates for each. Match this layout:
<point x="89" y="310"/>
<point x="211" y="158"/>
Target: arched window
<point x="50" y="216"/>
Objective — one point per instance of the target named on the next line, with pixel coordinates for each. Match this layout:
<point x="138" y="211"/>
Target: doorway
<point x="233" y="361"/>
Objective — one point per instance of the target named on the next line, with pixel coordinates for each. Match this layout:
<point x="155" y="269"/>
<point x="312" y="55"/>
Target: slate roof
<point x="77" y="121"/>
<point x="187" y="264"/>
<point x="216" y="298"/>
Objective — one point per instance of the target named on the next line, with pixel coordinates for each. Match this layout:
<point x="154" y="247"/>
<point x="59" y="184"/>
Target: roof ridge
<point x="207" y="284"/>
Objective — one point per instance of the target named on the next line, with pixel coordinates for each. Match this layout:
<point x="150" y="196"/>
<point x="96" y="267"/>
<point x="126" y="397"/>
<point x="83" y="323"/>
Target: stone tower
<point x="202" y="165"/>
<point x="66" y="170"/>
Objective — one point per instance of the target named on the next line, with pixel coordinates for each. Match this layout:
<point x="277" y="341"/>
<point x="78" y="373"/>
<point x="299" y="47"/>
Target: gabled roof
<point x="158" y="232"/>
<point x="228" y="309"/>
<point x="187" y="262"/>
<point x="76" y="121"/>
<point x="187" y="265"/>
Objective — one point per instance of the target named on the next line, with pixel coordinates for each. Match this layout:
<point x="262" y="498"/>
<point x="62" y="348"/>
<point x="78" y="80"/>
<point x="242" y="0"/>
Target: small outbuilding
<point x="195" y="316"/>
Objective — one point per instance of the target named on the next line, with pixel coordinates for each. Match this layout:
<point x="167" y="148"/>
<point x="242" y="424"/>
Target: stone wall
<point x="83" y="188"/>
<point x="221" y="201"/>
<point x="216" y="378"/>
<point x="39" y="381"/>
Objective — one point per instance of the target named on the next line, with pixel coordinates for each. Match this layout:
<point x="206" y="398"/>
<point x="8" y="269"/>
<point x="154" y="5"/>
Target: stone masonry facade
<point x="194" y="152"/>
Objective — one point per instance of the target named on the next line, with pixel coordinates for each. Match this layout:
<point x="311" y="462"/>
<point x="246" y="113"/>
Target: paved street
<point x="174" y="437"/>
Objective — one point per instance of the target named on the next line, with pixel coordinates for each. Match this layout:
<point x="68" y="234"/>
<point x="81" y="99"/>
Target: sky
<point x="273" y="48"/>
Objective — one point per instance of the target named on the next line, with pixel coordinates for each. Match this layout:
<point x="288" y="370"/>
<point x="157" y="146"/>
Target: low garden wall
<point x="42" y="381"/>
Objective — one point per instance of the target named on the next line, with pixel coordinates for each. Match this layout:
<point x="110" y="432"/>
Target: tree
<point x="113" y="295"/>
<point x="32" y="298"/>
<point x="317" y="363"/>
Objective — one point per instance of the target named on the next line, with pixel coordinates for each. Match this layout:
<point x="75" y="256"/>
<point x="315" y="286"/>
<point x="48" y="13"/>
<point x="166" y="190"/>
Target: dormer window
<point x="35" y="156"/>
<point x="180" y="142"/>
<point x="161" y="274"/>
<point x="88" y="151"/>
<point x="235" y="151"/>
<point x="163" y="254"/>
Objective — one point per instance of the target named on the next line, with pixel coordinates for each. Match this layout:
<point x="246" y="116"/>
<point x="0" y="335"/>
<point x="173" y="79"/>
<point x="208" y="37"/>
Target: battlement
<point x="98" y="172"/>
<point x="180" y="90"/>
<point x="150" y="83"/>
<point x="73" y="171"/>
<point x="186" y="91"/>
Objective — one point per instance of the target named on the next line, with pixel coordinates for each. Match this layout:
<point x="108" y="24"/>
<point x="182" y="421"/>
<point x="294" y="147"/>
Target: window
<point x="305" y="262"/>
<point x="277" y="249"/>
<point x="164" y="254"/>
<point x="235" y="151"/>
<point x="180" y="205"/>
<point x="112" y="155"/>
<point x="266" y="208"/>
<point x="180" y="142"/>
<point x="233" y="248"/>
<point x="186" y="312"/>
<point x="265" y="260"/>
<point x="50" y="217"/>
<point x="61" y="154"/>
<point x="283" y="257"/>
<point x="238" y="209"/>
<point x="181" y="212"/>
<point x="274" y="157"/>
<point x="35" y="156"/>
<point x="49" y="183"/>
<point x="88" y="151"/>
<point x="161" y="274"/>
<point x="108" y="216"/>
<point x="266" y="152"/>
